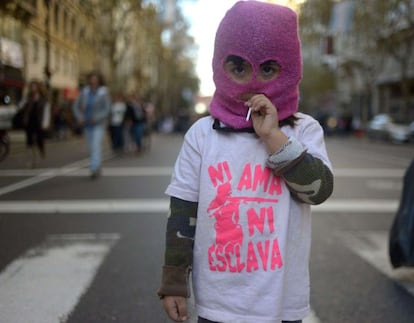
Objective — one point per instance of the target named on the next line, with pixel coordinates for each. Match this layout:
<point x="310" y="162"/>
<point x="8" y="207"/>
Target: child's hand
<point x="266" y="122"/>
<point x="264" y="115"/>
<point x="176" y="308"/>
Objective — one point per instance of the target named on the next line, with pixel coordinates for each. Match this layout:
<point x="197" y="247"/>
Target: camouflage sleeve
<point x="178" y="257"/>
<point x="309" y="180"/>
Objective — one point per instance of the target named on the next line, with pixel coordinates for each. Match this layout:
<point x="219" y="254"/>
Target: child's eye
<point x="269" y="70"/>
<point x="238" y="69"/>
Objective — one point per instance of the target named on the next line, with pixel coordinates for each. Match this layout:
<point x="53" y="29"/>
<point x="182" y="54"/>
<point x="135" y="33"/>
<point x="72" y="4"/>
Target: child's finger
<point x="176" y="308"/>
<point x="170" y="309"/>
<point x="182" y="308"/>
<point x="258" y="101"/>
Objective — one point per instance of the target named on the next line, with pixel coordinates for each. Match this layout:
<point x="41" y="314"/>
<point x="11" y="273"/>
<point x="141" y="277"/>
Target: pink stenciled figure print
<point x="225" y="209"/>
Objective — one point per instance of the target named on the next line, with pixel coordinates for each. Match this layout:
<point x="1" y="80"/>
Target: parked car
<point x="382" y="126"/>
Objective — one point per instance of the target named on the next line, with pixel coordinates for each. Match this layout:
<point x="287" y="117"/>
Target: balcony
<point x="20" y="9"/>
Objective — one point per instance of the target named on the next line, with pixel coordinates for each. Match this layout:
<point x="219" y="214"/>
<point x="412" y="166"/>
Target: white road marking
<point x="384" y="184"/>
<point x="161" y="206"/>
<point x="369" y="172"/>
<point x="372" y="246"/>
<point x="46" y="283"/>
<point x="357" y="206"/>
<point x="45" y="175"/>
<point x="74" y="171"/>
<point x="71" y="170"/>
<point x="367" y="156"/>
<point x="86" y="206"/>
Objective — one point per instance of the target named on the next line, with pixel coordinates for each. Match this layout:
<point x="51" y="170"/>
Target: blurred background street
<point x="80" y="250"/>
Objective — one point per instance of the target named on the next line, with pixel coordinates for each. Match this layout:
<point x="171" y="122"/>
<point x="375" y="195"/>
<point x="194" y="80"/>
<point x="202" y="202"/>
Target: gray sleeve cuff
<point x="290" y="151"/>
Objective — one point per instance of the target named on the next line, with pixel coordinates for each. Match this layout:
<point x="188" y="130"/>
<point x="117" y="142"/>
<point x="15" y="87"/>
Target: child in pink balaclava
<point x="243" y="183"/>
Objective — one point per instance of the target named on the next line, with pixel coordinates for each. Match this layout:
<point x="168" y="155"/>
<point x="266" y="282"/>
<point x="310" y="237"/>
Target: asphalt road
<point x="75" y="250"/>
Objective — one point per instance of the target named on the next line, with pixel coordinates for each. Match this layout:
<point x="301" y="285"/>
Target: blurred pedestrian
<point x="116" y="122"/>
<point x="60" y="124"/>
<point x="135" y="116"/>
<point x="91" y="110"/>
<point x="36" y="117"/>
<point x="149" y="110"/>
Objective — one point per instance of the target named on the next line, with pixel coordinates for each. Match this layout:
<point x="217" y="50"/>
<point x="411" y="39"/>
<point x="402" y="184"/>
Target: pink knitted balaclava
<point x="258" y="32"/>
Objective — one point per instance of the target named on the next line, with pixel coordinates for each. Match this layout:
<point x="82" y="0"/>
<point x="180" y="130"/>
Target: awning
<point x="11" y="53"/>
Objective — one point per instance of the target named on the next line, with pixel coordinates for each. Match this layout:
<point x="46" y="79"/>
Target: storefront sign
<point x="11" y="53"/>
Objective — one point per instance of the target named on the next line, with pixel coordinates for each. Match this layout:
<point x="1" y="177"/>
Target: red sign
<point x="70" y="93"/>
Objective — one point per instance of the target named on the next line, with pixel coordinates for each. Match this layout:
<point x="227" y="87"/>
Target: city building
<point x="61" y="46"/>
<point x="373" y="60"/>
<point x="14" y="18"/>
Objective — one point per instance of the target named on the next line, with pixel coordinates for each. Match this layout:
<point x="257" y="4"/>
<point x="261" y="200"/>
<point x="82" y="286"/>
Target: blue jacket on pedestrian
<point x="92" y="108"/>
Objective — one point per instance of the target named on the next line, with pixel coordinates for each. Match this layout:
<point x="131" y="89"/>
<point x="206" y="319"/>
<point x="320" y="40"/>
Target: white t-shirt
<point x="117" y="113"/>
<point x="252" y="241"/>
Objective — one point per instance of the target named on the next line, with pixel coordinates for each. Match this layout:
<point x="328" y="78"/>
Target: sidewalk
<point x="17" y="136"/>
<point x="58" y="152"/>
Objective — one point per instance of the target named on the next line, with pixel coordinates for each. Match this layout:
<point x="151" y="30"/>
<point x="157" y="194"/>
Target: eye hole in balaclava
<point x="241" y="71"/>
<point x="238" y="69"/>
<point x="269" y="70"/>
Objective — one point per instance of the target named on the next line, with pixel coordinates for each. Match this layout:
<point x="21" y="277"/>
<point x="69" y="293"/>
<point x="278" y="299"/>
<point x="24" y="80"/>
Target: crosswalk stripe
<point x="71" y="170"/>
<point x="86" y="206"/>
<point x="357" y="205"/>
<point x="369" y="172"/>
<point x="372" y="246"/>
<point x="45" y="175"/>
<point x="46" y="283"/>
<point x="161" y="206"/>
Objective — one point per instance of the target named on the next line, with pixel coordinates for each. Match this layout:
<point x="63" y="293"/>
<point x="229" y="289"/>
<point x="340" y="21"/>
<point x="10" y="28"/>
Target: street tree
<point x="314" y="19"/>
<point x="116" y="23"/>
<point x="318" y="81"/>
<point x="177" y="81"/>
<point x="162" y="68"/>
<point x="388" y="29"/>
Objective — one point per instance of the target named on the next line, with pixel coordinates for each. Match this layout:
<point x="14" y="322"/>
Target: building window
<point x="73" y="67"/>
<point x="35" y="50"/>
<point x="57" y="61"/>
<point x="65" y="23"/>
<point x="56" y="17"/>
<point x="73" y="28"/>
<point x="66" y="65"/>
